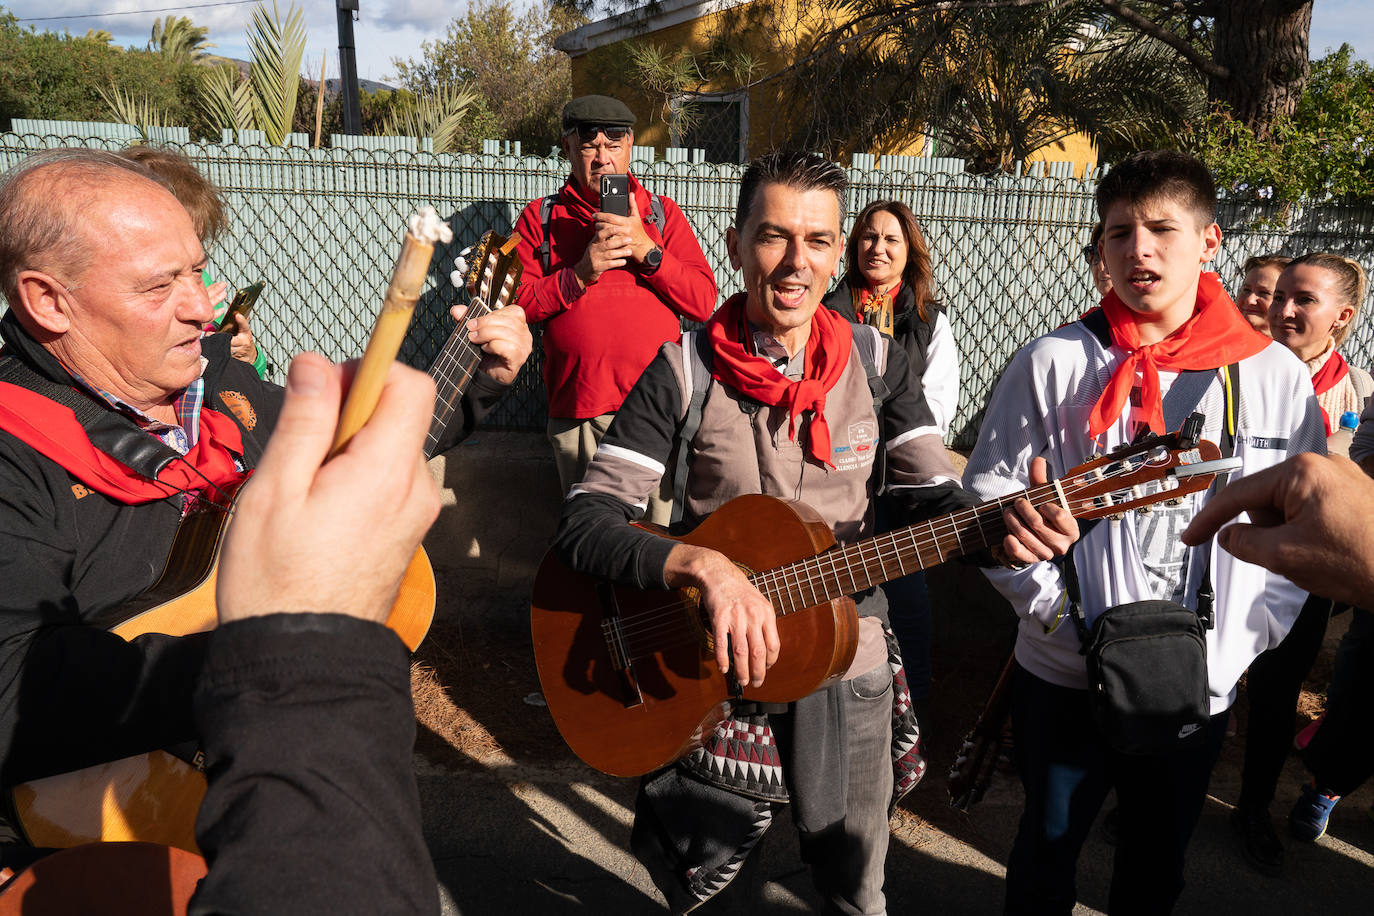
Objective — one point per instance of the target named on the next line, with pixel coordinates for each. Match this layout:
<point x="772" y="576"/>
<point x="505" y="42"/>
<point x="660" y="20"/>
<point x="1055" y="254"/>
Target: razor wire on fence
<point x="322" y="228"/>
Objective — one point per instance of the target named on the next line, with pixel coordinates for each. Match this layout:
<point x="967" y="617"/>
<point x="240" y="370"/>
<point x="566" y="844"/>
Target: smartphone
<point x="615" y="194"/>
<point x="242" y="304"/>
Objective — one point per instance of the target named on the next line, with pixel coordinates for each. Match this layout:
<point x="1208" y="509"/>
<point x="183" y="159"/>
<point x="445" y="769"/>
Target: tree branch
<point x="1206" y="65"/>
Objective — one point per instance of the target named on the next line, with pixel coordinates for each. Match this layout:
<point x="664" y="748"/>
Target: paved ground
<point x="516" y="824"/>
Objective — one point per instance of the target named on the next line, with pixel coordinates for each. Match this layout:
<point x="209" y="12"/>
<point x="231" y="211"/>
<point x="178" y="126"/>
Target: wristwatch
<point x="652" y="261"/>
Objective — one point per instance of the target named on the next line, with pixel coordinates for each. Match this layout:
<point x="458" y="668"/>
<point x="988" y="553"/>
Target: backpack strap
<point x="656" y="212"/>
<point x="1096" y="322"/>
<point x="546" y="244"/>
<point x="696" y="370"/>
<point x="868" y="339"/>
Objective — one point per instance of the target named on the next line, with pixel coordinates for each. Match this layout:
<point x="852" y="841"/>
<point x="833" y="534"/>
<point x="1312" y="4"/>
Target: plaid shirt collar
<point x="182" y="436"/>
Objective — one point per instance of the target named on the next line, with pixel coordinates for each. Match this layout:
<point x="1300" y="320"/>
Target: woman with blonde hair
<point x="1316" y="301"/>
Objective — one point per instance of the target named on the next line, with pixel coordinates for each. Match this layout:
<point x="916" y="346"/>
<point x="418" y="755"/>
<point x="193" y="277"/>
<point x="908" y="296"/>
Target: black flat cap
<point x="601" y="110"/>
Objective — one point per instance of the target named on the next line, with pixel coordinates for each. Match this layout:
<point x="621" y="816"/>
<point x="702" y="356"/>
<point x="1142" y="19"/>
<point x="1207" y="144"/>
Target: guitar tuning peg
<point x="1174" y="502"/>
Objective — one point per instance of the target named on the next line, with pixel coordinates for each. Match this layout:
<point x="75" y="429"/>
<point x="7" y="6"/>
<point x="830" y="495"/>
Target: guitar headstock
<point x="1136" y="476"/>
<point x="493" y="270"/>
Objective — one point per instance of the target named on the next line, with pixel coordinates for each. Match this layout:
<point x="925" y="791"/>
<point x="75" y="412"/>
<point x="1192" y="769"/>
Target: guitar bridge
<point x="616" y="646"/>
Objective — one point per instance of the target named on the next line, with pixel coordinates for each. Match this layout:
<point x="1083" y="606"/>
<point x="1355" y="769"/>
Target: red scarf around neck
<point x="53" y="431"/>
<point x="1328" y="377"/>
<point x="1216" y="335"/>
<point x="825" y="359"/>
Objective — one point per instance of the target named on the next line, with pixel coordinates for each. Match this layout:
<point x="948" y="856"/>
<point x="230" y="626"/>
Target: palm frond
<point x="277" y="49"/>
<point x="226" y="99"/>
<point x="437" y="115"/>
<point x="141" y="113"/>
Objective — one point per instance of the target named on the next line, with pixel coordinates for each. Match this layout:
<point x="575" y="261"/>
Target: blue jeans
<point x="1067" y="770"/>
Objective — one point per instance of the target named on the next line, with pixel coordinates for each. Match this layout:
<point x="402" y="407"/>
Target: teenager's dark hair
<point x="1160" y="173"/>
<point x="917" y="273"/>
<point x="1351" y="282"/>
<point x="795" y="169"/>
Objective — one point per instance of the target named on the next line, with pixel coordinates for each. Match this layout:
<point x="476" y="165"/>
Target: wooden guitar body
<point x="154" y="797"/>
<point x="630" y="719"/>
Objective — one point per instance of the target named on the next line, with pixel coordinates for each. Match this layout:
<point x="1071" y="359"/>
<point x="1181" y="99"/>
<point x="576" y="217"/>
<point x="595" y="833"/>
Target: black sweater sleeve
<point x="309" y="730"/>
<point x="593" y="534"/>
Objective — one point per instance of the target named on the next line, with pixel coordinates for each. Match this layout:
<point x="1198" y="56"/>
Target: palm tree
<point x="992" y="84"/>
<point x="1012" y="81"/>
<point x="179" y="37"/>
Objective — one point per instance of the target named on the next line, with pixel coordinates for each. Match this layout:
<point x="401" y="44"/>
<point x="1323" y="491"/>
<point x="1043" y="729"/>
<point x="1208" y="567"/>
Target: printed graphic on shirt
<point x="858" y="446"/>
<point x="79" y="491"/>
<point x="1162" y="552"/>
<point x="239" y="406"/>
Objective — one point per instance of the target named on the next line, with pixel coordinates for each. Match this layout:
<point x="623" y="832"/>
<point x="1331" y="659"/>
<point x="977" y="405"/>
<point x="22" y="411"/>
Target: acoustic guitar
<point x="630" y="676"/>
<point x="154" y="797"/>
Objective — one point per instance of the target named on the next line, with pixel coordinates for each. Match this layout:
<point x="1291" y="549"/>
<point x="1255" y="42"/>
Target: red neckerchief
<point x="53" y="431"/>
<point x="1327" y="377"/>
<point x="575" y="199"/>
<point x="826" y="355"/>
<point x="1216" y="335"/>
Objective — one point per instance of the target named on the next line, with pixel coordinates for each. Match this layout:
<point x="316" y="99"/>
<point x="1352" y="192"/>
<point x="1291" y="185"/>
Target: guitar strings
<point x="774" y="584"/>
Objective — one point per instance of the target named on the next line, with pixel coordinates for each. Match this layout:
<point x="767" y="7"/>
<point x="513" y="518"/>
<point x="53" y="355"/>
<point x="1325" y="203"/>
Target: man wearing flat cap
<point x="610" y="290"/>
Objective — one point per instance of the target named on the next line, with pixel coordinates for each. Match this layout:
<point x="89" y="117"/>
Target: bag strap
<point x="1185" y="394"/>
<point x="696" y="366"/>
<point x="656" y="216"/>
<point x="110" y="431"/>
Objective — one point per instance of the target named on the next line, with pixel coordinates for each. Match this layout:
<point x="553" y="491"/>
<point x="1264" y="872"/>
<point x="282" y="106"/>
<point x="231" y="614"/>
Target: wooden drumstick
<point x="407" y="281"/>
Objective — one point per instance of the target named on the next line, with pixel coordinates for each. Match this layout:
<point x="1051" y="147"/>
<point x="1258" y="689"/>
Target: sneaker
<point x="1307" y="820"/>
<point x="1259" y="841"/>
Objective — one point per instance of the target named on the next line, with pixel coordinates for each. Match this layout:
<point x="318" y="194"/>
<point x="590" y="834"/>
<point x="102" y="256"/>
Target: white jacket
<point x="1041" y="407"/>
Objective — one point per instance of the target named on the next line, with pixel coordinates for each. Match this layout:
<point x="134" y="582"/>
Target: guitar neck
<point x="1106" y="486"/>
<point x="452" y="372"/>
<point x="853" y="568"/>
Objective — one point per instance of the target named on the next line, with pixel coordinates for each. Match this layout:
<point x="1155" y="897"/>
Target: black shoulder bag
<point x="1147" y="660"/>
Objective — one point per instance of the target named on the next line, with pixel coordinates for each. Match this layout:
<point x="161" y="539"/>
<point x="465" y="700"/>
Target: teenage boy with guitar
<point x="1167" y="341"/>
<point x="789" y="400"/>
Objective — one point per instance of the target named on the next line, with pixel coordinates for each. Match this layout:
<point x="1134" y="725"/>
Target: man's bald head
<point x="42" y="201"/>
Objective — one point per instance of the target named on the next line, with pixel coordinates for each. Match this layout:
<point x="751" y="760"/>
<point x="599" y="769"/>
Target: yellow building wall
<point x="769" y="32"/>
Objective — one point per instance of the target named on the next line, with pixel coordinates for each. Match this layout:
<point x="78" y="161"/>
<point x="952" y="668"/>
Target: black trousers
<point x="1272" y="685"/>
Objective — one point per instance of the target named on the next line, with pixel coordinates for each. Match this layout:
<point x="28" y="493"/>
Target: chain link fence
<point x="322" y="227"/>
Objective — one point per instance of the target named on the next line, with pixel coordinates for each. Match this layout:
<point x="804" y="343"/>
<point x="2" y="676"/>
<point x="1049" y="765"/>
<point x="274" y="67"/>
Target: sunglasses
<point x="587" y="132"/>
<point x="1090" y="253"/>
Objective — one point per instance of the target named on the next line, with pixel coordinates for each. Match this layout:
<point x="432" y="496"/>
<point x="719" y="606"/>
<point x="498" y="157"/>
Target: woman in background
<point x="887" y="283"/>
<point x="1257" y="283"/>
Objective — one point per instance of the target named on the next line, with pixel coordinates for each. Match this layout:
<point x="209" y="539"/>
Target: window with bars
<point x="714" y="122"/>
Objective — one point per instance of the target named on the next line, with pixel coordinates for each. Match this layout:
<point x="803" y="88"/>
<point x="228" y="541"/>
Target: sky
<point x="388" y="29"/>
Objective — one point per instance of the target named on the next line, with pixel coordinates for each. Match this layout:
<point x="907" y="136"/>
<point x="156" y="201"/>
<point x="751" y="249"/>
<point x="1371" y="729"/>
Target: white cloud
<point x="418" y="15"/>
